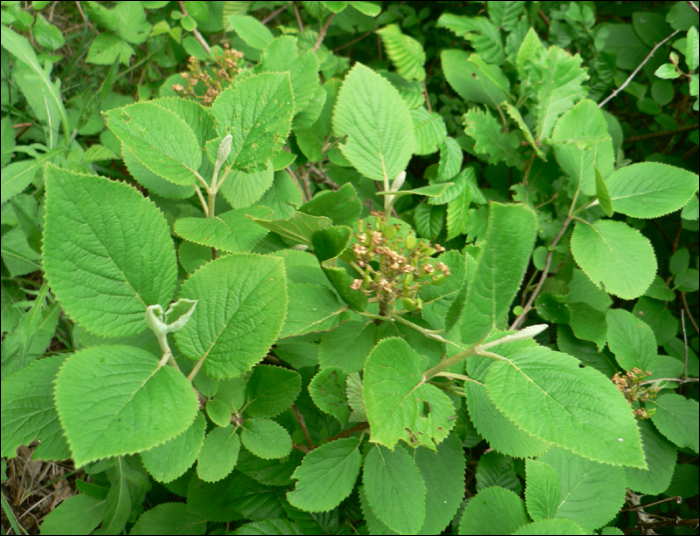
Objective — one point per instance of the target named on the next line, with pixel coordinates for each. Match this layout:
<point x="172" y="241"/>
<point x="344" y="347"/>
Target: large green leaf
<point x="257" y="112"/>
<point x="494" y="511"/>
<point x="399" y="406"/>
<point x="107" y="252"/>
<point x="271" y="390"/>
<point x="473" y="79"/>
<point x="355" y="338"/>
<point x="549" y="396"/>
<point x="406" y="53"/>
<point x="501" y="265"/>
<point x="266" y="439"/>
<point x="117" y="400"/>
<point x="251" y="30"/>
<point x="651" y="189"/>
<point x="241" y="308"/>
<point x="376" y="121"/>
<point x="619" y="257"/>
<point x="159" y="139"/>
<point x="219" y="454"/>
<point x="395" y="489"/>
<point x="481" y="32"/>
<point x="582" y="144"/>
<point x="631" y="340"/>
<point x="490" y="140"/>
<point x="311" y="308"/>
<point x="326" y="476"/>
<point x="429" y="130"/>
<point x="231" y="231"/>
<point x="676" y="417"/>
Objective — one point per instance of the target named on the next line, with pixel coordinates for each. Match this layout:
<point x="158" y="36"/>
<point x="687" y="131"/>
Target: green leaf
<point x="79" y="514"/>
<point x="529" y="50"/>
<point x="218" y="411"/>
<point x="443" y="473"/>
<point x="651" y="189"/>
<point x="327" y="390"/>
<point x="631" y="340"/>
<point x="490" y="140"/>
<point x="231" y="231"/>
<point x="355" y="338"/>
<point x="219" y="454"/>
<point x="406" y="53"/>
<point x="591" y="494"/>
<point x="257" y="112"/>
<point x="457" y="213"/>
<point x="173" y="458"/>
<point x="399" y="406"/>
<point x="429" y="130"/>
<point x="582" y="144"/>
<point x="29" y="413"/>
<point x="253" y="32"/>
<point x="159" y="139"/>
<point x="494" y="511"/>
<point x="662" y="453"/>
<point x="481" y="32"/>
<point x="326" y="476"/>
<point x="271" y="390"/>
<point x="311" y="308"/>
<point x="108" y="48"/>
<point x="676" y="418"/>
<point x="542" y="490"/>
<point x="395" y="489"/>
<point x="549" y="396"/>
<point x="299" y="228"/>
<point x="556" y="78"/>
<point x="241" y="308"/>
<point x="429" y="220"/>
<point x="692" y="51"/>
<point x="602" y="193"/>
<point x="342" y="206"/>
<point x="667" y="71"/>
<point x="499" y="272"/>
<point x="377" y="123"/>
<point x="474" y="80"/>
<point x="619" y="257"/>
<point x="117" y="400"/>
<point x="243" y="189"/>
<point x="506" y="14"/>
<point x="106" y="264"/>
<point x="283" y="197"/>
<point x="170" y="518"/>
<point x="450" y="159"/>
<point x="266" y="439"/>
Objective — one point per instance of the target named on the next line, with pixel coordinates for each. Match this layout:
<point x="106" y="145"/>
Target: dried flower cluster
<point x="223" y="71"/>
<point x="629" y="385"/>
<point x="392" y="267"/>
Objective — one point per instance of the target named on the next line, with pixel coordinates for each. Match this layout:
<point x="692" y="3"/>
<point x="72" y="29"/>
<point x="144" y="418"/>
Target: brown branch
<point x="425" y="94"/>
<point x="198" y="36"/>
<point x="661" y="134"/>
<point x="302" y="448"/>
<point x="347" y="433"/>
<point x="695" y="8"/>
<point x="300" y="23"/>
<point x="351" y="42"/>
<point x="322" y="33"/>
<point x="273" y="14"/>
<point x="302" y="423"/>
<point x="634" y="73"/>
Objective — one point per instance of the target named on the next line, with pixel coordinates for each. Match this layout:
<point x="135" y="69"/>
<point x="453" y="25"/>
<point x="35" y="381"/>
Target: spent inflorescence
<point x="215" y="78"/>
<point x="393" y="267"/>
<point x="630" y="385"/>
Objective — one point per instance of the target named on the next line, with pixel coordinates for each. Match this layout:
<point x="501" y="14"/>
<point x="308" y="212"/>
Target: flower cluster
<point x="223" y="71"/>
<point x="629" y="384"/>
<point x="392" y="267"/>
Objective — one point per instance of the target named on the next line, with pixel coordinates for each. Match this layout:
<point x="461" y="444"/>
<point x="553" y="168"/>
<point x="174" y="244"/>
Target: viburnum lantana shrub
<point x="286" y="362"/>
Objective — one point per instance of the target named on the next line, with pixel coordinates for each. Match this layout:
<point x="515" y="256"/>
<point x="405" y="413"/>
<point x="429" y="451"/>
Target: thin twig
<point x="304" y="195"/>
<point x="661" y="134"/>
<point x="634" y="73"/>
<point x="425" y="94"/>
<point x="352" y="42"/>
<point x="349" y="431"/>
<point x="695" y="8"/>
<point x="300" y="23"/>
<point x="302" y="448"/>
<point x="687" y="310"/>
<point x="273" y="14"/>
<point x="322" y="33"/>
<point x="198" y="36"/>
<point x="300" y="419"/>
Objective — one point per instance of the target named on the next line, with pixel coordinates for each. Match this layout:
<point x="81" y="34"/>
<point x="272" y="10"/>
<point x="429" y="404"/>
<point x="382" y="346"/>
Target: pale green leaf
<point x="582" y="144"/>
<point x="619" y="257"/>
<point x="377" y="123"/>
<point x="18" y="175"/>
<point x="474" y="80"/>
<point x="117" y="400"/>
<point x="173" y="458"/>
<point x="326" y="476"/>
<point x="327" y="390"/>
<point x="399" y="406"/>
<point x="549" y="396"/>
<point x="490" y="140"/>
<point x="406" y="53"/>
<point x="163" y="142"/>
<point x="591" y="493"/>
<point x="218" y="411"/>
<point x="661" y="456"/>
<point x="651" y="189"/>
<point x="231" y="231"/>
<point x="514" y="113"/>
<point x="243" y="189"/>
<point x="505" y="15"/>
<point x="631" y="340"/>
<point x="108" y="48"/>
<point x="429" y="220"/>
<point x="271" y="390"/>
<point x="282" y="197"/>
<point x="395" y="489"/>
<point x="676" y="417"/>
<point x="29" y="413"/>
<point x="118" y="502"/>
<point x="551" y="526"/>
<point x="494" y="511"/>
<point x="355" y="338"/>
<point x="155" y="184"/>
<point x="499" y="272"/>
<point x="459" y="184"/>
<point x="450" y="159"/>
<point x="367" y="8"/>
<point x="556" y="78"/>
<point x="530" y="48"/>
<point x="79" y="514"/>
<point x="603" y="195"/>
<point x="692" y="51"/>
<point x="281" y="55"/>
<point x="481" y="32"/>
<point x="107" y="252"/>
<point x="311" y="308"/>
<point x="219" y="454"/>
<point x="298" y="228"/>
<point x="429" y="130"/>
<point x="542" y="490"/>
<point x="241" y="308"/>
<point x="169" y="518"/>
<point x="353" y="392"/>
<point x="457" y="212"/>
<point x="257" y="112"/>
<point x="251" y="30"/>
<point x="266" y="439"/>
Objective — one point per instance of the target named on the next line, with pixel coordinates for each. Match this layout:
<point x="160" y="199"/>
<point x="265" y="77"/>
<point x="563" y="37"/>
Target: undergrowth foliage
<point x="314" y="293"/>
